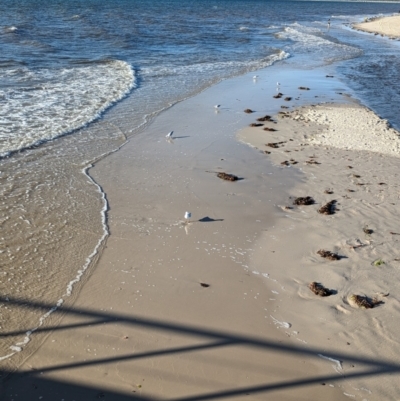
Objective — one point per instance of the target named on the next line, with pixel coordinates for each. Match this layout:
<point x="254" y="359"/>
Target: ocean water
<point x="78" y="78"/>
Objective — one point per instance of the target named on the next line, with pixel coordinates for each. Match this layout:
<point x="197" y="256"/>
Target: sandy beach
<point x="219" y="307"/>
<point x="350" y="160"/>
<point x="387" y="26"/>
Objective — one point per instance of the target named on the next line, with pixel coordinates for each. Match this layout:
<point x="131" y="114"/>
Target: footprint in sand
<point x="340" y="308"/>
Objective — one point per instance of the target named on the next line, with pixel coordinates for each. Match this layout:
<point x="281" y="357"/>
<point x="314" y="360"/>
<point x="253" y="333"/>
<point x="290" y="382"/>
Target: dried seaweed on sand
<point x="319" y="289"/>
<point x="275" y="144"/>
<point x="269" y="129"/>
<point x="306" y="200"/>
<point x="248" y="111"/>
<point x="265" y="118"/>
<point x="227" y="177"/>
<point x="328" y="255"/>
<point x="256" y="125"/>
<point x="329" y="208"/>
<point x="363" y="301"/>
<point x="367" y="230"/>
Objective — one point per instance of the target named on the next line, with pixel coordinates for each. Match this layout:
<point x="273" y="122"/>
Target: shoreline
<point x="384" y="26"/>
<point x="216" y="278"/>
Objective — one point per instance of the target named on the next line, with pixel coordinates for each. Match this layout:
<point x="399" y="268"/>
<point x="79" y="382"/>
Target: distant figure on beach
<point x="329" y="24"/>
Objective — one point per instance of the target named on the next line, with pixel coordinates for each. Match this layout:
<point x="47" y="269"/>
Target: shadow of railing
<point x="215" y="339"/>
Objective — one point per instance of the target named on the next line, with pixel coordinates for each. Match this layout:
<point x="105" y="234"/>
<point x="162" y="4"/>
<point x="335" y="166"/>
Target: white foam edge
<point x="110" y="103"/>
<point x="18" y="347"/>
<point x="285" y="325"/>
<point x="337" y="364"/>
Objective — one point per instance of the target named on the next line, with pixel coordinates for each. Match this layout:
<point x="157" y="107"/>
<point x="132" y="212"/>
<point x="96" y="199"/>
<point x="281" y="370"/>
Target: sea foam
<point x="40" y="105"/>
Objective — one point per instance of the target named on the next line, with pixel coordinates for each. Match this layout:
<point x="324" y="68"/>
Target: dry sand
<point x="387" y="26"/>
<point x="350" y="155"/>
<point x="219" y="308"/>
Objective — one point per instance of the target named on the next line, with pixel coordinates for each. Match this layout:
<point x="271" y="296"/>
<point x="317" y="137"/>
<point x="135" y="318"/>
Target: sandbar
<point x="385" y="26"/>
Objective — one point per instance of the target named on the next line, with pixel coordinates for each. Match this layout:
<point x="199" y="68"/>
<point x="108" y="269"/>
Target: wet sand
<point x="219" y="307"/>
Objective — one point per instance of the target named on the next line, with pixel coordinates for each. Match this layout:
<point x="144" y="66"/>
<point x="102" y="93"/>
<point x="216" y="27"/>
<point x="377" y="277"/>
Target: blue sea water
<point x="62" y="64"/>
<point x="100" y="70"/>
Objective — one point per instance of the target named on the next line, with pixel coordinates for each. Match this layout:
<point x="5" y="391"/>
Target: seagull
<point x="188" y="215"/>
<point x="255" y="77"/>
<point x="217" y="106"/>
<point x="169" y="135"/>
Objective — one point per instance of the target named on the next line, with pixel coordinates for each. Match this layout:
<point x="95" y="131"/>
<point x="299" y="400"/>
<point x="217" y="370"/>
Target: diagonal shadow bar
<point x="64" y="327"/>
<point x="217" y="395"/>
<point x="277" y="386"/>
<point x="142" y="355"/>
<point x="206" y="333"/>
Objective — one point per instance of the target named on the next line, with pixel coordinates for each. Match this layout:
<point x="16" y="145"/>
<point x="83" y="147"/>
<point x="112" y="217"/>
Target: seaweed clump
<point x="275" y="144"/>
<point x="311" y="161"/>
<point x="328" y="255"/>
<point x="363" y="301"/>
<point x="227" y="177"/>
<point x="265" y="118"/>
<point x="319" y="289"/>
<point x="306" y="200"/>
<point x="367" y="230"/>
<point x="329" y="208"/>
<point x="248" y="111"/>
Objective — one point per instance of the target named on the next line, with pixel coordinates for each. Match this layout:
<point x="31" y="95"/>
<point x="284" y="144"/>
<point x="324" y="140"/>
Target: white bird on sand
<point x="217" y="106"/>
<point x="169" y="135"/>
<point x="255" y="77"/>
<point x="188" y="215"/>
